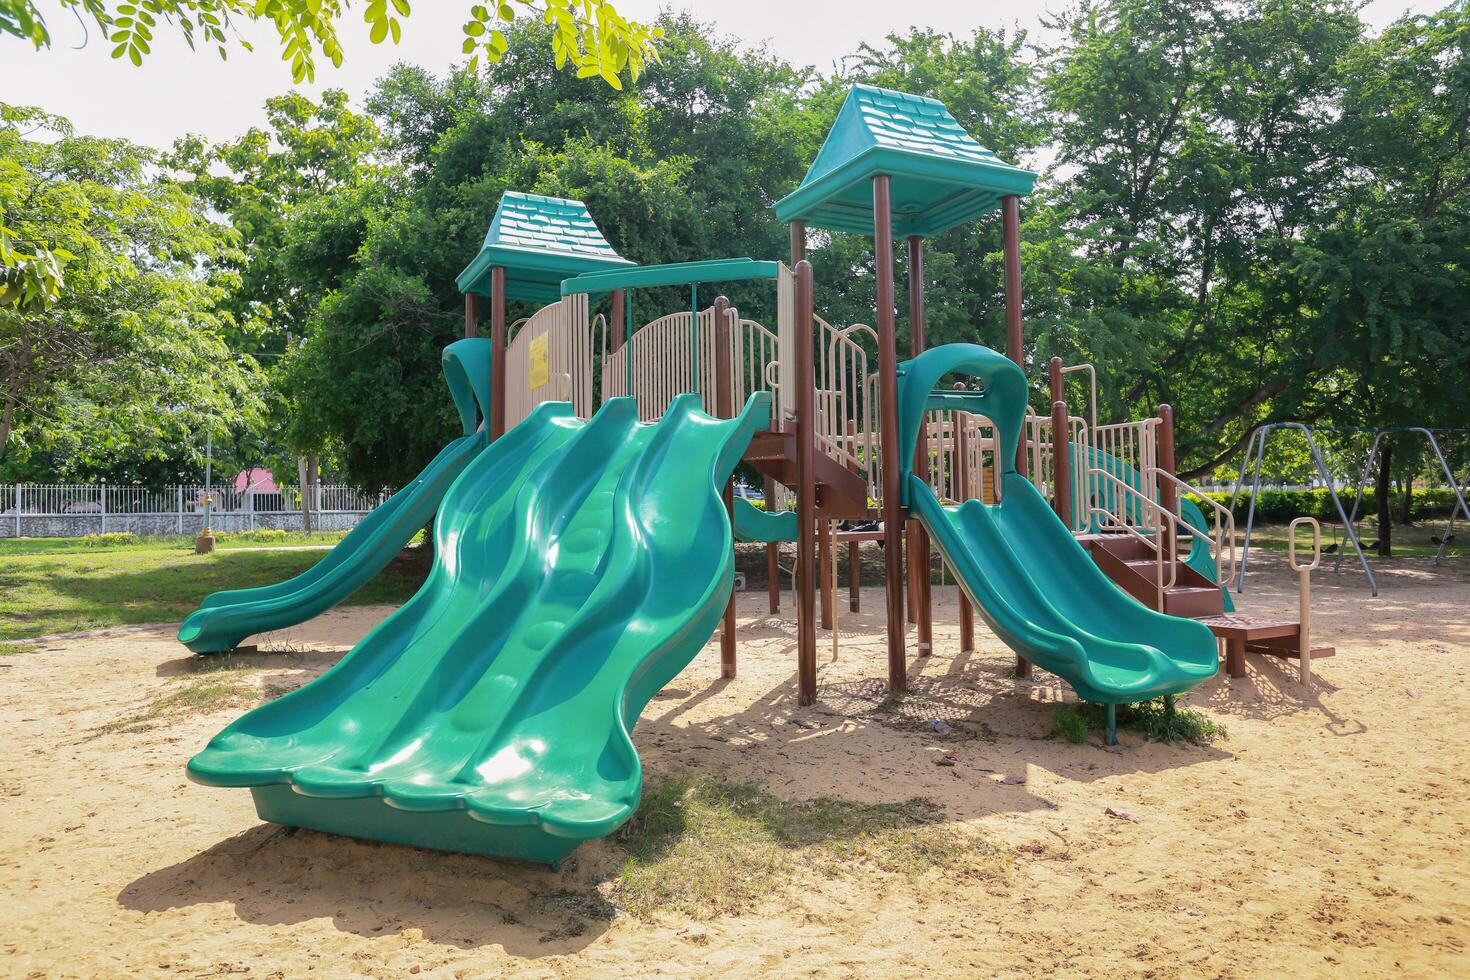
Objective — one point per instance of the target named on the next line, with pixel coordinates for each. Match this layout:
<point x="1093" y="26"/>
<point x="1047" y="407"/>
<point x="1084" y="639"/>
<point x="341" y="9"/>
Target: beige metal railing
<point x="666" y="361"/>
<point x="1041" y="462"/>
<point x="1156" y="528"/>
<point x="1221" y="531"/>
<point x="1135" y="444"/>
<point x="847" y="412"/>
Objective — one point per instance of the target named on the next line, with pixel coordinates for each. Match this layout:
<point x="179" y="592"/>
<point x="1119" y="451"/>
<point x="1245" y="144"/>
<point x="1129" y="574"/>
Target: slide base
<point x="369" y="818"/>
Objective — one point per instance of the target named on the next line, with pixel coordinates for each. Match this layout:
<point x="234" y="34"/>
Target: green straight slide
<point x="223" y="619"/>
<point x="579" y="566"/>
<point x="1020" y="565"/>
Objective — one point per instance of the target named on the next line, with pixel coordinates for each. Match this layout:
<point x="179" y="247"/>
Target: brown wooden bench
<point x="1254" y="634"/>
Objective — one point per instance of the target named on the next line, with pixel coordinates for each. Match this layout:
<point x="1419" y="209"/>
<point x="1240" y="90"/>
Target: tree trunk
<point x="1406" y="509"/>
<point x="303" y="483"/>
<point x="1383" y="490"/>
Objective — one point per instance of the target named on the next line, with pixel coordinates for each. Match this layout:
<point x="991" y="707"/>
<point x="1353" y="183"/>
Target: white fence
<point x="55" y="510"/>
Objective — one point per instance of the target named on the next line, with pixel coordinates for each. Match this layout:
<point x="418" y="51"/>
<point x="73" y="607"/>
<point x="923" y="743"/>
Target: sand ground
<point x="1329" y="833"/>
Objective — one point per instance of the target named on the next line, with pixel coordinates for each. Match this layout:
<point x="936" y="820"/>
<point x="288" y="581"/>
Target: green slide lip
<point x="225" y="618"/>
<point x="1020" y="565"/>
<point x="579" y="567"/>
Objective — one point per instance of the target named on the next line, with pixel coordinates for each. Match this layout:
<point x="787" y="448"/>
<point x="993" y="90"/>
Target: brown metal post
<point x="806" y="492"/>
<point x="619" y="328"/>
<point x="798" y="241"/>
<point x="1054" y="372"/>
<point x="471" y="315"/>
<point x="825" y="581"/>
<point x="1010" y="231"/>
<point x="1167" y="493"/>
<point x="893" y="515"/>
<point x="962" y="450"/>
<point x="919" y="540"/>
<point x="1061" y="462"/>
<point x="854" y="576"/>
<point x="773" y="553"/>
<point x="725" y="408"/>
<point x="1010" y="224"/>
<point x="497" y="352"/>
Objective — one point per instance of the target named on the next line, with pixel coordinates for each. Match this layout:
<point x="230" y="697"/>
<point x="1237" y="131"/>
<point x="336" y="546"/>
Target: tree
<point x="590" y="35"/>
<point x="673" y="168"/>
<point x="128" y="364"/>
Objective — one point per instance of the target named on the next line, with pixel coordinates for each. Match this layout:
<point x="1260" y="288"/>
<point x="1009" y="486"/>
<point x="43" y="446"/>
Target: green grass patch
<point x="1408" y="541"/>
<point x="128" y="541"/>
<point x="706" y="848"/>
<point x="1069" y="724"/>
<point x="1153" y="719"/>
<point x="194" y="696"/>
<point x="16" y="649"/>
<point x="57" y="591"/>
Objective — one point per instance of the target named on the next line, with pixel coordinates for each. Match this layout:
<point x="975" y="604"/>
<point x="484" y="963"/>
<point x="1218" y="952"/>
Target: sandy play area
<point x="1328" y="833"/>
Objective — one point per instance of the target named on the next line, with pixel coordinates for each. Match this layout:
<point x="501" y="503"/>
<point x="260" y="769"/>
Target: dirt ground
<point x="1329" y="833"/>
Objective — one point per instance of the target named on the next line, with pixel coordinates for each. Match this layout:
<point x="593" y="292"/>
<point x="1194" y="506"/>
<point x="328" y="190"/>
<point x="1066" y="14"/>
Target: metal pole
<point x="725" y="408"/>
<point x="471" y="315"/>
<point x="918" y="540"/>
<point x="694" y="337"/>
<point x="104" y="506"/>
<point x="893" y="515"/>
<point x="619" y="324"/>
<point x="1336" y="503"/>
<point x="1010" y="229"/>
<point x="497" y="352"/>
<point x="1010" y="222"/>
<point x="1454" y="488"/>
<point x="806" y="492"/>
<point x="1358" y="497"/>
<point x="1250" y="517"/>
<point x="180" y="489"/>
<point x="962" y="450"/>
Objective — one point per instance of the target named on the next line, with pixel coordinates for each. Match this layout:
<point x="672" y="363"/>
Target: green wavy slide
<point x="223" y="619"/>
<point x="579" y="566"/>
<point x="1032" y="582"/>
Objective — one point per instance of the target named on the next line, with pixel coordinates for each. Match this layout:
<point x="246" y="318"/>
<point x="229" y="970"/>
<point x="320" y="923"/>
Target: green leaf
<point x="379" y="32"/>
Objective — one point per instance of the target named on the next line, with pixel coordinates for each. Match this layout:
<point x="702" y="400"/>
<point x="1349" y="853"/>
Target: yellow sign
<point x="540" y="371"/>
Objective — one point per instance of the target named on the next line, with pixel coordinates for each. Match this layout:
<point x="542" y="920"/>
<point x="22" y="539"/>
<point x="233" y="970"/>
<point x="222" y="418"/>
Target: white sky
<point x="178" y="91"/>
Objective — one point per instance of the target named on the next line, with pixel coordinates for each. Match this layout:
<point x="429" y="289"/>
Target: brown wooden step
<point x="1192" y="601"/>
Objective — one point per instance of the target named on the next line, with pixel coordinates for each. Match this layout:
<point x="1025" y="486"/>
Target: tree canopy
<point x="1254" y="211"/>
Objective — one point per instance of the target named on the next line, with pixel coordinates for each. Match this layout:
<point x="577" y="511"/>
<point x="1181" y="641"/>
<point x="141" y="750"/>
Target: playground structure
<point x="1255" y="450"/>
<point x="586" y="518"/>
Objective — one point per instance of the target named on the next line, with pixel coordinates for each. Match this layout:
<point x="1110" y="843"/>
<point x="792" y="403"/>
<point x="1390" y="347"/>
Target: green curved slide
<point x="754" y="524"/>
<point x="579" y="566"/>
<point x="223" y="619"/>
<point x="1020" y="565"/>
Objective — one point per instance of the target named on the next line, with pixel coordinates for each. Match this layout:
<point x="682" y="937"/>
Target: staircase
<point x="1130" y="564"/>
<point x="841" y="493"/>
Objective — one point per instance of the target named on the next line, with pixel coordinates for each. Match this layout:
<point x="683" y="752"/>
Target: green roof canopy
<point x="539" y="241"/>
<point x="941" y="177"/>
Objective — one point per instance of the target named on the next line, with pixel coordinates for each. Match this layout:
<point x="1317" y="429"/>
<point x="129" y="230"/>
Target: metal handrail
<point x="1222" y="532"/>
<point x="1163" y="542"/>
